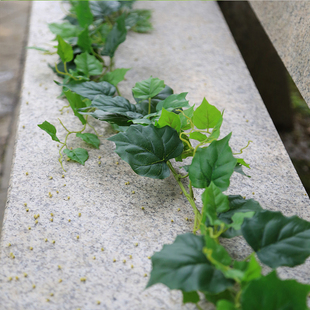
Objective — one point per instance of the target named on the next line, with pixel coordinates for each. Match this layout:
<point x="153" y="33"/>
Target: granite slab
<point x="191" y="50"/>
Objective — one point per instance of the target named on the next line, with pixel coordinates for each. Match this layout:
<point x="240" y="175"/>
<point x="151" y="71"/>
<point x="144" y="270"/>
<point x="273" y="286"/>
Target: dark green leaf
<point x="64" y="50"/>
<point x="83" y="13"/>
<point x="91" y="89"/>
<point x="80" y="155"/>
<point x="142" y="21"/>
<point x="276" y="239"/>
<point x="169" y="119"/>
<point x="206" y="115"/>
<point x="78" y="76"/>
<point x="148" y="88"/>
<point x="214" y="298"/>
<point x="88" y="64"/>
<point x="215" y="164"/>
<point x="89" y="138"/>
<point x="84" y="41"/>
<point x="50" y="129"/>
<point x="103" y="8"/>
<point x="60" y="66"/>
<point x="192" y="297"/>
<point x="147" y="149"/>
<point x="115" y="76"/>
<point x="271" y="293"/>
<point x="182" y="265"/>
<point x="76" y="103"/>
<point x="65" y="30"/>
<point x="225" y="305"/>
<point x="116" y="36"/>
<point x="173" y="102"/>
<point x="238" y="169"/>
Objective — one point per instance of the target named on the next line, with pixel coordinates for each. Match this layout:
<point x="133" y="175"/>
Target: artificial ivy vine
<point x="161" y="126"/>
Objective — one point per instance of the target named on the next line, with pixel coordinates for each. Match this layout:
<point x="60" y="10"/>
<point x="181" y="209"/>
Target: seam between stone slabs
<point x="194" y="52"/>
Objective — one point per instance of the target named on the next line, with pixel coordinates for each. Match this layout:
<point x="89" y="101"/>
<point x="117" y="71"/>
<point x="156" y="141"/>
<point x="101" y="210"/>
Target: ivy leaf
<point x="64" y="50"/>
<point x="173" y="102"/>
<point x="50" y="129"/>
<point x="237" y="205"/>
<point x="192" y="297"/>
<point x="238" y="219"/>
<point x="89" y="138"/>
<point x="214" y="202"/>
<point x="91" y="89"/>
<point x="225" y="305"/>
<point x="104" y="8"/>
<point x="206" y="115"/>
<point x="80" y="155"/>
<point x="113" y="104"/>
<point x="184" y="120"/>
<point x="88" y="64"/>
<point x="216" y="130"/>
<point x="271" y="293"/>
<point x="115" y="37"/>
<point x="276" y="239"/>
<point x="182" y="265"/>
<point x="84" y="41"/>
<point x="251" y="270"/>
<point x="64" y="30"/>
<point x="115" y="76"/>
<point x="198" y="136"/>
<point x="76" y="103"/>
<point x="162" y="95"/>
<point x="169" y="119"/>
<point x="83" y="13"/>
<point x="215" y="164"/>
<point x="148" y="88"/>
<point x="147" y="149"/>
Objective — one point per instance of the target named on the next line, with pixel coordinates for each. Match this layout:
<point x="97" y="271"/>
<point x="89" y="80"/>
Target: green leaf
<point x="185" y="124"/>
<point x="65" y="30"/>
<point x="173" y="102"/>
<point x="215" y="164"/>
<point x="169" y="119"/>
<point x="192" y="297"/>
<point x="37" y="48"/>
<point x="225" y="305"/>
<point x="198" y="136"/>
<point x="238" y="219"/>
<point x="88" y="64"/>
<point x="148" y="88"/>
<point x="276" y="239"/>
<point x="76" y="103"/>
<point x="216" y="130"/>
<point x="271" y="293"/>
<point x="80" y="155"/>
<point x="64" y="50"/>
<point x="206" y="115"/>
<point x="251" y="270"/>
<point x="243" y="163"/>
<point x="214" y="202"/>
<point x="84" y="41"/>
<point x="238" y="169"/>
<point x="91" y="89"/>
<point x="104" y="8"/>
<point x="182" y="265"/>
<point x="138" y="20"/>
<point x="214" y="298"/>
<point x="115" y="76"/>
<point x="50" y="129"/>
<point x="83" y="13"/>
<point x="89" y="138"/>
<point x="77" y="75"/>
<point x="147" y="149"/>
<point x="116" y="36"/>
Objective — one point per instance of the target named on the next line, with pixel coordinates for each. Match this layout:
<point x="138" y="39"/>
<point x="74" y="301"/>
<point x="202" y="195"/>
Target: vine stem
<point x="149" y="111"/>
<point x="189" y="196"/>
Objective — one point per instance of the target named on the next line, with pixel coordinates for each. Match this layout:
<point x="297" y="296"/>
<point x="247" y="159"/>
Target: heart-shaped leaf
<point x="50" y="129"/>
<point x="64" y="50"/>
<point x="169" y="119"/>
<point x="83" y="13"/>
<point x="76" y="103"/>
<point x="89" y="138"/>
<point x="148" y="88"/>
<point x="113" y="104"/>
<point x="88" y="64"/>
<point x="115" y="76"/>
<point x="80" y="155"/>
<point x="64" y="30"/>
<point x="147" y="149"/>
<point x="173" y="102"/>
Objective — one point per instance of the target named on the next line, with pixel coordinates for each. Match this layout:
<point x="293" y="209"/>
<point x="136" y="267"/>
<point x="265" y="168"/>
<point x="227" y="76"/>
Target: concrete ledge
<point x="193" y="52"/>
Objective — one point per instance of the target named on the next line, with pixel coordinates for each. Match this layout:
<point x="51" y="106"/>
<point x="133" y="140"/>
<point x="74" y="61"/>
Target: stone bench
<point x="191" y="50"/>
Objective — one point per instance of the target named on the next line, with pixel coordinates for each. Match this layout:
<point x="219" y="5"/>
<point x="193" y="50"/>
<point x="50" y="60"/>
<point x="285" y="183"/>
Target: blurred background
<point x="286" y="106"/>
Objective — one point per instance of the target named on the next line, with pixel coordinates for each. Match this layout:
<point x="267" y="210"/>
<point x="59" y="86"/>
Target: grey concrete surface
<point x="14" y="17"/>
<point x="192" y="50"/>
<point x="287" y="24"/>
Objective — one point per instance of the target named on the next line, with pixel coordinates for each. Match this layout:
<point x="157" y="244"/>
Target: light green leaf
<point x="84" y="41"/>
<point x="64" y="50"/>
<point x="89" y="138"/>
<point x="76" y="103"/>
<point x="88" y="64"/>
<point x="276" y="239"/>
<point x="206" y="115"/>
<point x="190" y="297"/>
<point x="175" y="101"/>
<point x="185" y="123"/>
<point x="148" y="88"/>
<point x="243" y="163"/>
<point x="198" y="136"/>
<point x="251" y="270"/>
<point x="83" y="13"/>
<point x="80" y="155"/>
<point x="147" y="149"/>
<point x="182" y="265"/>
<point x="271" y="293"/>
<point x="115" y="76"/>
<point x="238" y="219"/>
<point x="65" y="30"/>
<point x="225" y="305"/>
<point x="216" y="130"/>
<point x="50" y="129"/>
<point x="169" y="119"/>
<point x="215" y="164"/>
<point x="37" y="48"/>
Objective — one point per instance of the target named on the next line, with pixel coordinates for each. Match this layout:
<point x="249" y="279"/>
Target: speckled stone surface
<point x="192" y="50"/>
<point x="287" y="24"/>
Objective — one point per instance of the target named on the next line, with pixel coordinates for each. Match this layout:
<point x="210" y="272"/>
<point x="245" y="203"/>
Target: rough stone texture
<point x="287" y="24"/>
<point x="192" y="50"/>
